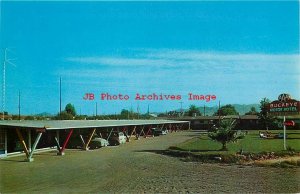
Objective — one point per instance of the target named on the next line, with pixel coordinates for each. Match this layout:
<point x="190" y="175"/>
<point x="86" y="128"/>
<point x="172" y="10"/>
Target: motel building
<point x="283" y="108"/>
<point x="27" y="137"/>
<point x="243" y="122"/>
<point x="24" y="137"/>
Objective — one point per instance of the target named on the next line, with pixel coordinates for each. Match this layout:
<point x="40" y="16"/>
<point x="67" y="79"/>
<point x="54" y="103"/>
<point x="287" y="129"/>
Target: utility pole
<point x="181" y="108"/>
<point x="3" y="86"/>
<point x="19" y="105"/>
<point x="96" y="109"/>
<point x="60" y="98"/>
<point x="148" y="111"/>
<point x="219" y="112"/>
<point x="284" y="134"/>
<point x="6" y="60"/>
<point x="131" y="111"/>
<point x="204" y="110"/>
<point x="138" y="111"/>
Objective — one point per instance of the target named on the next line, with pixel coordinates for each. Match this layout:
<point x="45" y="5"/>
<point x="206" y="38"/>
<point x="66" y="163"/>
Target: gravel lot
<point x="137" y="167"/>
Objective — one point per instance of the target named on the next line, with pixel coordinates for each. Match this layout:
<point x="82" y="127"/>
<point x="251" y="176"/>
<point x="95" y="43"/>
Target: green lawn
<point x="252" y="143"/>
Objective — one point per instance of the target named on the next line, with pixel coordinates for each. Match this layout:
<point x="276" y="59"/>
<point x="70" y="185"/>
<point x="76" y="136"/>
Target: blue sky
<point x="238" y="51"/>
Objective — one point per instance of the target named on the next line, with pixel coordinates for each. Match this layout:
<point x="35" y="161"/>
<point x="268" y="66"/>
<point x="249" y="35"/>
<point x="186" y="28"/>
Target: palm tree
<point x="225" y="133"/>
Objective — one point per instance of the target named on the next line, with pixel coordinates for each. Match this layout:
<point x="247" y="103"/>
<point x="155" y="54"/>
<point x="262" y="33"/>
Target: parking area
<point x="138" y="167"/>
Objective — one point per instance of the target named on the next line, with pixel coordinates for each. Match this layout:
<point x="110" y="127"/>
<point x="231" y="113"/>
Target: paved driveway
<point x="136" y="167"/>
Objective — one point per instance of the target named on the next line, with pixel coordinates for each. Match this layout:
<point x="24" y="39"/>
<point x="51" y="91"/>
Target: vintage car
<point x="158" y="132"/>
<point x="98" y="143"/>
<point x="280" y="136"/>
<point x="117" y="138"/>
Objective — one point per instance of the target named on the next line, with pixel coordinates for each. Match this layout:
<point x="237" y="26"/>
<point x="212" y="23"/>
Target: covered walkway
<point x="26" y="131"/>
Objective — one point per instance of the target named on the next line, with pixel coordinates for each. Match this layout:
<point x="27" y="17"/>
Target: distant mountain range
<point x="240" y="108"/>
<point x="44" y="114"/>
<point x="243" y="108"/>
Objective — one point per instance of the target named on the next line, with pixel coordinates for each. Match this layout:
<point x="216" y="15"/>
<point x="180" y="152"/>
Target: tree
<point x="70" y="109"/>
<point x="125" y="114"/>
<point x="225" y="133"/>
<point x="252" y="111"/>
<point x="68" y="114"/>
<point x="64" y="115"/>
<point x="227" y="110"/>
<point x="264" y="117"/>
<point x="193" y="110"/>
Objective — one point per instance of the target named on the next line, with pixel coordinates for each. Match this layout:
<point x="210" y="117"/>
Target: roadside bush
<point x="228" y="158"/>
<point x="290" y="149"/>
<point x="15" y="117"/>
<point x="29" y="118"/>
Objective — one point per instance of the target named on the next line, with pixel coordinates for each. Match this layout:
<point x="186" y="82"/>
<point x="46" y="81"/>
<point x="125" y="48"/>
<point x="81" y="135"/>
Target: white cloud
<point x="182" y="71"/>
<point x="165" y="65"/>
<point x="118" y="61"/>
<point x="188" y="58"/>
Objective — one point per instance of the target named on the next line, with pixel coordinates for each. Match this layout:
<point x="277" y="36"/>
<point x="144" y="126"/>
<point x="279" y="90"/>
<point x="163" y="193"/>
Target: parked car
<point x="280" y="136"/>
<point x="117" y="138"/>
<point x="98" y="143"/>
<point x="158" y="132"/>
<point x="164" y="132"/>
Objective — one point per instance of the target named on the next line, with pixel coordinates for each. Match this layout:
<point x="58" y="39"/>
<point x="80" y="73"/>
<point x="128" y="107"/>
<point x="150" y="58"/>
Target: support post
<point x="3" y="141"/>
<point x="171" y="127"/>
<point x="133" y="132"/>
<point x="57" y="144"/>
<point x="110" y="134"/>
<point x="148" y="131"/>
<point x="29" y="158"/>
<point x="82" y="141"/>
<point x="29" y="140"/>
<point x="5" y="145"/>
<point x="189" y="125"/>
<point x="89" y="140"/>
<point x="284" y="133"/>
<point x="126" y="133"/>
<point x="140" y="134"/>
<point x="57" y="135"/>
<point x="61" y="152"/>
<point x="22" y="142"/>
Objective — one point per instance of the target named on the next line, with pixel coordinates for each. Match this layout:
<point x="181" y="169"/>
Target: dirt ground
<point x="137" y="167"/>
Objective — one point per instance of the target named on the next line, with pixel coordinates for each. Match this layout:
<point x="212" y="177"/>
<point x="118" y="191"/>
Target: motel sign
<point x="284" y="106"/>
